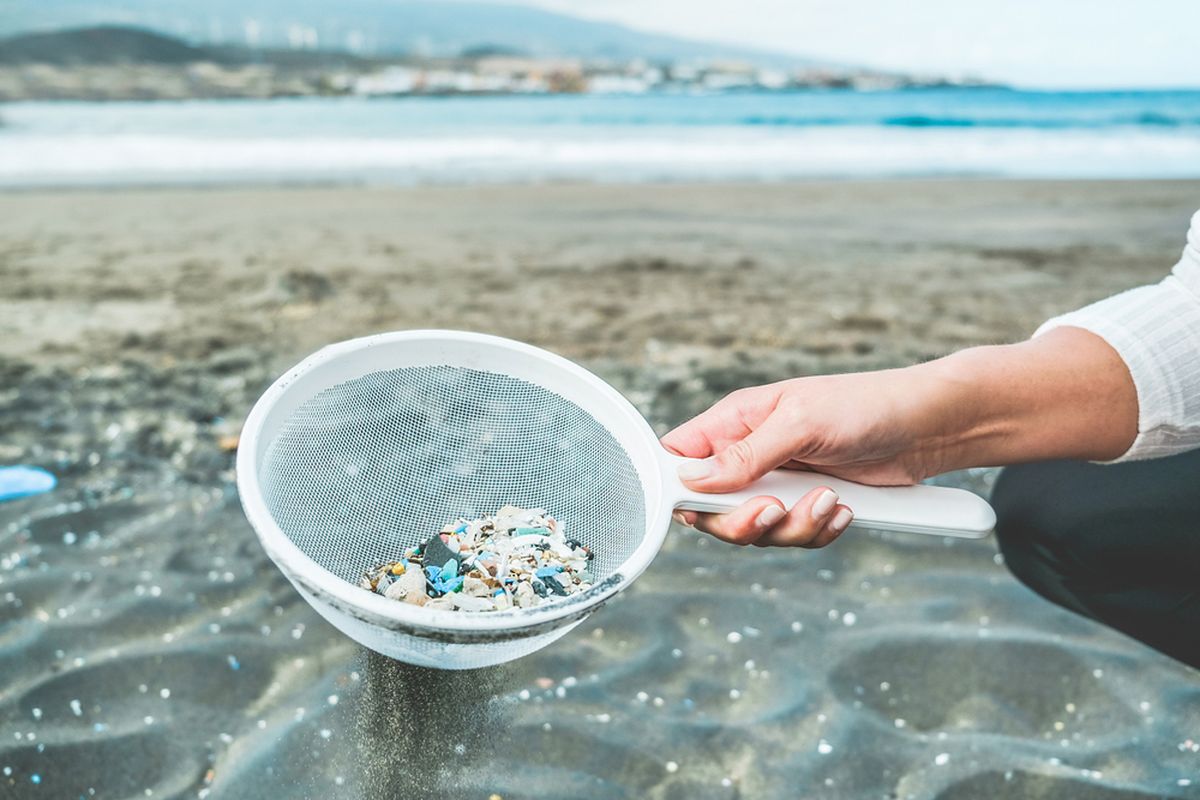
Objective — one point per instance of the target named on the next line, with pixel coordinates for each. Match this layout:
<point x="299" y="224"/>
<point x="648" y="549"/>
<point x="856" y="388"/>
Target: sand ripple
<point x="155" y="648"/>
<point x="147" y="644"/>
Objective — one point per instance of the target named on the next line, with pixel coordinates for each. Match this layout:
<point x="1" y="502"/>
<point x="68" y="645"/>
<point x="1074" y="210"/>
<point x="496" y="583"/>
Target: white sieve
<point x="369" y="446"/>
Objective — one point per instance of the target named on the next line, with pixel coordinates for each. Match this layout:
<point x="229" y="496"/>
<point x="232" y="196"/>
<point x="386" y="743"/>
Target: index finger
<point x="701" y="436"/>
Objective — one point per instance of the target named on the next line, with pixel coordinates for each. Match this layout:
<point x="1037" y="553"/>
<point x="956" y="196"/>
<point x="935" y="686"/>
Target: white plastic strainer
<point x="369" y="446"/>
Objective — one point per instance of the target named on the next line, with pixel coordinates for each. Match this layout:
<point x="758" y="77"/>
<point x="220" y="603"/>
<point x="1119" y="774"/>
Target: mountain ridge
<point x="116" y="45"/>
<point x="381" y="28"/>
<point x="99" y="45"/>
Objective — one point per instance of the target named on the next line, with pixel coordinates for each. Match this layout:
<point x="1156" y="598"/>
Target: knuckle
<point x="738" y="459"/>
<point x="742" y="536"/>
<point x="727" y="530"/>
<point x="820" y="538"/>
<point x="791" y="411"/>
<point x="805" y="534"/>
<point x="737" y="395"/>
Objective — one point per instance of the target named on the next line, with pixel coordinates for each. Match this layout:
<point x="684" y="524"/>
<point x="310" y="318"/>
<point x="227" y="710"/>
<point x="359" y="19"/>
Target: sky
<point x="1043" y="43"/>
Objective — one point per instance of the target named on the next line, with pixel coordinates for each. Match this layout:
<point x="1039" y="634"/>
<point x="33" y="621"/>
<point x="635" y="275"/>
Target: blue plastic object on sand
<point x="24" y="481"/>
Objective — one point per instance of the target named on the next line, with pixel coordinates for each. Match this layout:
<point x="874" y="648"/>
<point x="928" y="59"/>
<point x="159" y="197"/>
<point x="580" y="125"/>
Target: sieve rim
<point x="298" y="566"/>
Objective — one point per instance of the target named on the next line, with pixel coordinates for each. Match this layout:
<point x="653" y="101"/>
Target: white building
<point x="391" y="80"/>
<point x="616" y="84"/>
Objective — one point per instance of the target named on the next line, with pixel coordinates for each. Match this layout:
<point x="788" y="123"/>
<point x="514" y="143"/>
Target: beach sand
<point x="149" y="648"/>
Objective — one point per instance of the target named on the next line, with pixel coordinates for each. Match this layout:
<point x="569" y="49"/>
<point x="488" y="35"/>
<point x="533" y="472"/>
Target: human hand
<point x="865" y="427"/>
<point x="1064" y="394"/>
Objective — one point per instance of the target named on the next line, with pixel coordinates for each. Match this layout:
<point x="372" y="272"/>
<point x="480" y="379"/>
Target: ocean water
<point x="751" y="136"/>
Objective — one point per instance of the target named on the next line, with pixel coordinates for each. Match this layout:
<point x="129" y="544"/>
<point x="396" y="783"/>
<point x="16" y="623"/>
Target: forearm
<point x="1065" y="394"/>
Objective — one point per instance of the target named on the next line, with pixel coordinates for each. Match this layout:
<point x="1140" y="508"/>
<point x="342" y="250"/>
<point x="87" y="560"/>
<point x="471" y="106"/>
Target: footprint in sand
<point x="1028" y="786"/>
<point x="1014" y="688"/>
<point x="121" y="692"/>
<point x="104" y="766"/>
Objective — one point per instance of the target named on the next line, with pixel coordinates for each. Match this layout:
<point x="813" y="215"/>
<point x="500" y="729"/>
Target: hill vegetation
<point x="100" y="45"/>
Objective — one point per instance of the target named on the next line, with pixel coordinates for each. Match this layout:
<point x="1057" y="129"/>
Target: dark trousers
<point x="1117" y="543"/>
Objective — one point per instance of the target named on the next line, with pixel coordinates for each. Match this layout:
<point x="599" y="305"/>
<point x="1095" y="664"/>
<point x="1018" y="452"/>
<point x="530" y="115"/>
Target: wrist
<point x="943" y="419"/>
<point x="972" y="418"/>
<point x="1064" y="394"/>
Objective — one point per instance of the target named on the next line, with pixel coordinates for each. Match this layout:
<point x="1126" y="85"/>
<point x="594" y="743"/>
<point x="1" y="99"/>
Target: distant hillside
<point x="112" y="45"/>
<point x="375" y="28"/>
<point x="101" y="45"/>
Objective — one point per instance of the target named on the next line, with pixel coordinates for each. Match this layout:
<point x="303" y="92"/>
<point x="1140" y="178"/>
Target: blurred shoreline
<point x="616" y="139"/>
<point x="109" y="63"/>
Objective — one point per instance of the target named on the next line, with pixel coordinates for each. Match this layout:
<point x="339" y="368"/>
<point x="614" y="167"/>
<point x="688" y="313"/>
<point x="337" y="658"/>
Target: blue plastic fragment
<point x="531" y="532"/>
<point x="449" y="585"/>
<point x="444" y="579"/>
<point x="546" y="572"/>
<point x="21" y="481"/>
<point x="461" y="528"/>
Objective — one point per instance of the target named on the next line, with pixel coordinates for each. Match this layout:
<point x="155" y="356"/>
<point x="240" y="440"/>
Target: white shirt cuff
<point x="1156" y="331"/>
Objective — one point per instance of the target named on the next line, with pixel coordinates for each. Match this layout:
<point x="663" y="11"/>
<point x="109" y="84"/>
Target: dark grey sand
<point x="149" y="648"/>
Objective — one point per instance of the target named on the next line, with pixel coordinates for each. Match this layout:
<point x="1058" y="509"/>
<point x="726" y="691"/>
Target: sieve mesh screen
<point x="368" y="467"/>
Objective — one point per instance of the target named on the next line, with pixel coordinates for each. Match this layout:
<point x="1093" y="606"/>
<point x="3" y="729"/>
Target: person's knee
<point x="1086" y="518"/>
<point x="1042" y="539"/>
<point x="1025" y="522"/>
<point x="1116" y="544"/>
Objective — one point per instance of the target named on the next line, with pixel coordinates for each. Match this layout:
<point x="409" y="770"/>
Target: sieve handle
<point x="935" y="510"/>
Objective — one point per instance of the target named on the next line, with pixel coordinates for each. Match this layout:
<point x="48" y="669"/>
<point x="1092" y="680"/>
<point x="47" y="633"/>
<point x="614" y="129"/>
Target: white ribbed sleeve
<point x="1156" y="330"/>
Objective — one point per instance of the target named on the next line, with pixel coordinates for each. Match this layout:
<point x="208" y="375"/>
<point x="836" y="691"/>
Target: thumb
<point x="743" y="462"/>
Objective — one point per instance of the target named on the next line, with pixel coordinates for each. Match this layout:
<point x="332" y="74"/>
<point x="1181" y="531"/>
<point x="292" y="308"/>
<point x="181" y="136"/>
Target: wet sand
<point x="146" y="642"/>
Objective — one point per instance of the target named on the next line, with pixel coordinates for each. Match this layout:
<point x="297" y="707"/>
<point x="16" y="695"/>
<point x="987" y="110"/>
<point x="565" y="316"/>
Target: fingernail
<point x="678" y="517"/>
<point x="824" y="504"/>
<point x="695" y="469"/>
<point x="841" y="520"/>
<point x="769" y="516"/>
